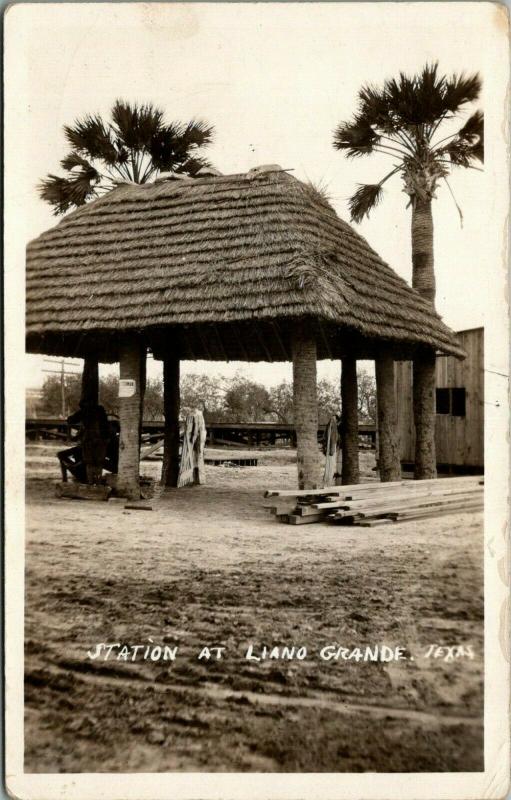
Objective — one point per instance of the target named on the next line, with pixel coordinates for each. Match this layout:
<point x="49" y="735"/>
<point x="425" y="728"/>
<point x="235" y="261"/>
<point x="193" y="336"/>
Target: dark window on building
<point x="451" y="401"/>
<point x="458" y="405"/>
<point x="443" y="401"/>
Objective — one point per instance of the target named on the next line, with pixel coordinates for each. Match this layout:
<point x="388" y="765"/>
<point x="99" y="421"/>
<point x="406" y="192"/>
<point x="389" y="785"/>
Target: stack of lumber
<point x="373" y="504"/>
<point x="227" y="461"/>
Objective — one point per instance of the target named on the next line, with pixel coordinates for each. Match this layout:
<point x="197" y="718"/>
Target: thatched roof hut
<point x="252" y="267"/>
<point x="224" y="264"/>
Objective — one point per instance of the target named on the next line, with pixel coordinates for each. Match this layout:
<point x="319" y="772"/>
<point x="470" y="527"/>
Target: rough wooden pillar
<point x="424" y="383"/>
<point x="90" y="381"/>
<point x="131" y="362"/>
<point x="349" y="422"/>
<point x="305" y="405"/>
<point x="171" y="401"/>
<point x="389" y="461"/>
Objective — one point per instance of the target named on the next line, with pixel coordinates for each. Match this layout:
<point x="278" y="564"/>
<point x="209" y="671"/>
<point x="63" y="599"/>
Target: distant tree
<point x="366" y="397"/>
<point x="246" y="401"/>
<point x="153" y="399"/>
<point x="329" y="400"/>
<point x="134" y="146"/>
<point x="281" y="402"/>
<point x="51" y="395"/>
<point x="153" y="396"/>
<point x="236" y="399"/>
<point x="204" y="393"/>
<point x="109" y="394"/>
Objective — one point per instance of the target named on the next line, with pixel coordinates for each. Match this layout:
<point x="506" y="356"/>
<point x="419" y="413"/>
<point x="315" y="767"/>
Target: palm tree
<point x="135" y="146"/>
<point x="404" y="120"/>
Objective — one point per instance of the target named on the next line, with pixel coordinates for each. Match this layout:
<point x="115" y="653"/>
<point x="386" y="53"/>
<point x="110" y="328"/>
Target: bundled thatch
<point x="238" y="253"/>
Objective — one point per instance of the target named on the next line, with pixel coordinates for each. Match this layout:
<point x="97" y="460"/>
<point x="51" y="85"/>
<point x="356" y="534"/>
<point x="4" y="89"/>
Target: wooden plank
<point x="383" y="507"/>
<point x="145" y="452"/>
<point x="402" y="492"/>
<point x="449" y="509"/>
<point x="373" y="523"/>
<point x="376" y="486"/>
<point x="294" y="519"/>
<point x="280" y="510"/>
<point x="419" y="514"/>
<point x="312" y="510"/>
<point x="398" y="497"/>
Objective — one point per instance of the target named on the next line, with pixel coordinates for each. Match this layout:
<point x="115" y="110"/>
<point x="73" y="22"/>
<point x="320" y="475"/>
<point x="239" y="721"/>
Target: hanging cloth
<point x="332" y="448"/>
<point x="191" y="468"/>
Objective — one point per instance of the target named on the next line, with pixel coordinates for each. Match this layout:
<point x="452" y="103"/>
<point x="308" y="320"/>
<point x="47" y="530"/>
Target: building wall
<point x="459" y="440"/>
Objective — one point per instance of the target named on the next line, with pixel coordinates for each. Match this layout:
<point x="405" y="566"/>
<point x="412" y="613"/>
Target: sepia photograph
<point x="256" y="265"/>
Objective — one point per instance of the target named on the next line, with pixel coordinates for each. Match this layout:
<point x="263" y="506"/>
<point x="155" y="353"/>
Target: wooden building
<point x="249" y="267"/>
<point x="459" y="406"/>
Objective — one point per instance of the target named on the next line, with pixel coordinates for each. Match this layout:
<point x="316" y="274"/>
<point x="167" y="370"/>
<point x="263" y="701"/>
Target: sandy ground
<point x="210" y="567"/>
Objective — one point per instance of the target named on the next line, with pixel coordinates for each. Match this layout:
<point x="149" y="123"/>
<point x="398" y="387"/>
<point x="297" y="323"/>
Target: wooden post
<point x="389" y="461"/>
<point x="305" y="404"/>
<point x="90" y="381"/>
<point x="131" y="362"/>
<point x="349" y="422"/>
<point x="424" y="383"/>
<point x="171" y="402"/>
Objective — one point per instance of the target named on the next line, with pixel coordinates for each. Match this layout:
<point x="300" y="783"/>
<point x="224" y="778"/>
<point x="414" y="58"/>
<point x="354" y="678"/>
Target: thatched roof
<point x="243" y="254"/>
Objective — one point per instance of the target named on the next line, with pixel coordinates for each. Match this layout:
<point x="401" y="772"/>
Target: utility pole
<point x="63" y="372"/>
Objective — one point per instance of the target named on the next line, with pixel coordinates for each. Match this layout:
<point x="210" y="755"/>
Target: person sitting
<point x="94" y="437"/>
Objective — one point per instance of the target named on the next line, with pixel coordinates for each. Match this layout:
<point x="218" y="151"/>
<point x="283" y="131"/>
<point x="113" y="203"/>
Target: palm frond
<point x="197" y="133"/>
<point x="374" y="108"/>
<point x="192" y="165"/>
<point x="460" y="90"/>
<point x="468" y="144"/>
<point x="174" y="144"/>
<point x="66" y="193"/>
<point x="91" y="137"/>
<point x="416" y="99"/>
<point x="74" y="160"/>
<point x="364" y="200"/>
<point x="356" y="137"/>
<point x="473" y="127"/>
<point x="137" y="124"/>
<point x="165" y="147"/>
<point x="461" y="153"/>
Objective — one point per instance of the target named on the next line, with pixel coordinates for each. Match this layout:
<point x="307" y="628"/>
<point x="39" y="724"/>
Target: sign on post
<point x="127" y="387"/>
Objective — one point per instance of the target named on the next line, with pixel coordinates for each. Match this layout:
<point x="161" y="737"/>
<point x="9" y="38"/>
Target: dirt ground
<point x="209" y="566"/>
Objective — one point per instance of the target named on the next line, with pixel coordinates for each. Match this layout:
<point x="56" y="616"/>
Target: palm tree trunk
<point x="349" y="422"/>
<point x="423" y="272"/>
<point x="424" y="381"/>
<point x="389" y="461"/>
<point x="171" y="400"/>
<point x="90" y="381"/>
<point x="131" y="360"/>
<point x="424" y="373"/>
<point x="305" y="405"/>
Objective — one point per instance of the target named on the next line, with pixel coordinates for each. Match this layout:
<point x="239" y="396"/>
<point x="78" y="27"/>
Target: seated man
<point x="94" y="437"/>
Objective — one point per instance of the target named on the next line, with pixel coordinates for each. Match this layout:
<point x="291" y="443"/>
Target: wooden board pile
<point x="374" y="504"/>
<point x="216" y="461"/>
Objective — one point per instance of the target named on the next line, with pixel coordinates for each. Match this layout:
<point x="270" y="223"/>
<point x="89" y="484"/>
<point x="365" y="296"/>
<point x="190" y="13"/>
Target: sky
<point x="274" y="79"/>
